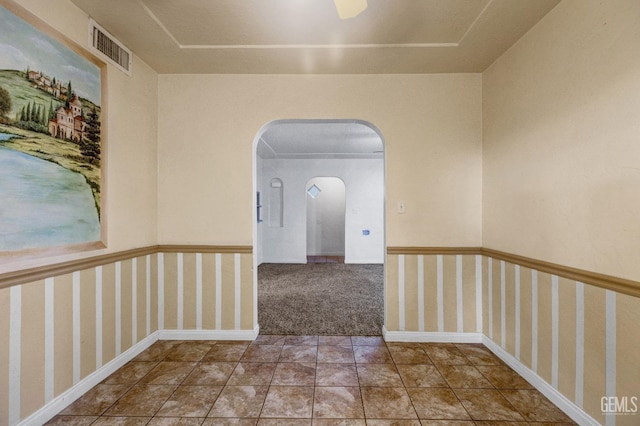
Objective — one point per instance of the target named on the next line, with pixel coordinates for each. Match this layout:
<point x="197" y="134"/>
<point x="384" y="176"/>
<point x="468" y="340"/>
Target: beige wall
<point x="431" y="126"/>
<point x="130" y="148"/>
<point x="561" y="149"/>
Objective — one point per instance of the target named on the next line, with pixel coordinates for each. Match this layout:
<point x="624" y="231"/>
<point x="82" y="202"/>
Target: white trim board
<point x="49" y="410"/>
<point x="572" y="410"/>
<point x="209" y="334"/>
<point x="561" y="401"/>
<point x="430" y="337"/>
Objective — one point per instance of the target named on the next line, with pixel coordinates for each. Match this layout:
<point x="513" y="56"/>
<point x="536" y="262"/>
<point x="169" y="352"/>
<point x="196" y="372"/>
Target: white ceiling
<point x="306" y="36"/>
<point x="319" y="140"/>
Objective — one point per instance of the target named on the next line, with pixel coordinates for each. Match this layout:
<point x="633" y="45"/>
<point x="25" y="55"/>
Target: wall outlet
<point x="401" y="206"/>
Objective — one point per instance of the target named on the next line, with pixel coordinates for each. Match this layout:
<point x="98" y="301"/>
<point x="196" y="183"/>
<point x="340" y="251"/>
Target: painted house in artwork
<point x="44" y="82"/>
<point x="68" y="123"/>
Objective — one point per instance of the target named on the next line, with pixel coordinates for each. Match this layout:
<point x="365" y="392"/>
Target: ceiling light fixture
<point x="350" y="8"/>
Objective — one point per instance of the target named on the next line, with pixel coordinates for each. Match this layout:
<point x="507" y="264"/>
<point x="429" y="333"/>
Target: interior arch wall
<point x="364" y="181"/>
<point x="432" y="127"/>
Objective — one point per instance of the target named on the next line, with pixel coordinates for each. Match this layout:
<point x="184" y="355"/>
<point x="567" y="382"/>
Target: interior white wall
<point x="325" y="217"/>
<point x="364" y="184"/>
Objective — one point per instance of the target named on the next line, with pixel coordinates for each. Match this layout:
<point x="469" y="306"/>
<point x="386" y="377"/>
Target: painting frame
<point x="87" y="132"/>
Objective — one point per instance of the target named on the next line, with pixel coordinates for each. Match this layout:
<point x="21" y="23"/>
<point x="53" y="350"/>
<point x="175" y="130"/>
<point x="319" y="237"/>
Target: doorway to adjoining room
<point x="319" y="228"/>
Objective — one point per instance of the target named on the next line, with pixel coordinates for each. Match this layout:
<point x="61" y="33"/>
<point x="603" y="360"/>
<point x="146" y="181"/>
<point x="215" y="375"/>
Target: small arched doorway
<point x="326" y="203"/>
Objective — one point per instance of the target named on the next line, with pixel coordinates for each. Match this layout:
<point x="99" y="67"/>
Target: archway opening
<point x="292" y="157"/>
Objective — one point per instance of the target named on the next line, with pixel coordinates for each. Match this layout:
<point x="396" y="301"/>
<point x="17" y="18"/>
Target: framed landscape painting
<point x="50" y="139"/>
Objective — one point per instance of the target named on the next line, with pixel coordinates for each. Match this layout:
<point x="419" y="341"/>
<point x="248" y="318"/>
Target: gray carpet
<point x="320" y="299"/>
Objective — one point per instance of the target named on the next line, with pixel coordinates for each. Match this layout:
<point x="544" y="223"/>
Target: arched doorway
<point x="288" y="154"/>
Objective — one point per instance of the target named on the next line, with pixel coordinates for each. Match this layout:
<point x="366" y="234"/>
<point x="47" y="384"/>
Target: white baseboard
<point x="422" y="336"/>
<point x="372" y="261"/>
<point x="57" y="404"/>
<point x="561" y="401"/>
<point x="576" y="413"/>
<point x="209" y="334"/>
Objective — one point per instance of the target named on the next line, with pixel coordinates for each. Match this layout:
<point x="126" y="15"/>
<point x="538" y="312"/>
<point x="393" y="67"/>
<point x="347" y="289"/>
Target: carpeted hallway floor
<point x="320" y="299"/>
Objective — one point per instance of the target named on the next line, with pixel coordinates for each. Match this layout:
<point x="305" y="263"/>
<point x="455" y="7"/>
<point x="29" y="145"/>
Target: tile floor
<point x="304" y="380"/>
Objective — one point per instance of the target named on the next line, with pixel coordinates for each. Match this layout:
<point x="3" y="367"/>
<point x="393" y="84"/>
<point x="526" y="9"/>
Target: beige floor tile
<point x="338" y="402"/>
<point x="339" y="422"/>
<point x="229" y="422"/>
<point x="387" y="403"/>
<point x="288" y="402"/>
<point x="190" y="401"/>
<point x="503" y="377"/>
<point x="334" y="340"/>
<point x="372" y="355"/>
<point x="445" y="354"/>
<point x="122" y="421"/>
<point x="71" y="420"/>
<point x="141" y="400"/>
<point x="96" y="401"/>
<point x="336" y="354"/>
<point x="487" y="404"/>
<point x="168" y="373"/>
<point x="437" y="404"/>
<point x="378" y="375"/>
<point x="421" y="376"/>
<point x="252" y="373"/>
<point x="336" y="375"/>
<point x="225" y="352"/>
<point x="301" y="340"/>
<point x="173" y="421"/>
<point x="464" y="376"/>
<point x="367" y="341"/>
<point x="239" y="401"/>
<point x="262" y="353"/>
<point x="478" y="354"/>
<point x="131" y="373"/>
<point x="409" y="355"/>
<point x="294" y="374"/>
<point x="269" y="340"/>
<point x="188" y="351"/>
<point x="534" y="406"/>
<point x="210" y="374"/>
<point x="291" y="353"/>
<point x="156" y="352"/>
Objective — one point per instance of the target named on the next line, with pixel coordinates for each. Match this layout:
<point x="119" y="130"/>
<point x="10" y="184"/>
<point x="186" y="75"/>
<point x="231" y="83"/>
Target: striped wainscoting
<point x="66" y="332"/>
<point x="576" y="340"/>
<point x="210" y="295"/>
<point x="573" y="334"/>
<point x="434" y="296"/>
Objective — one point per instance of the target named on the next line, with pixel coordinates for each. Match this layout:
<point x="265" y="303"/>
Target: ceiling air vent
<point x="109" y="48"/>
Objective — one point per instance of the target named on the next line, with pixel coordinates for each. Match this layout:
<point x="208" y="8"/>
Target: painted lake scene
<point x="50" y="141"/>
